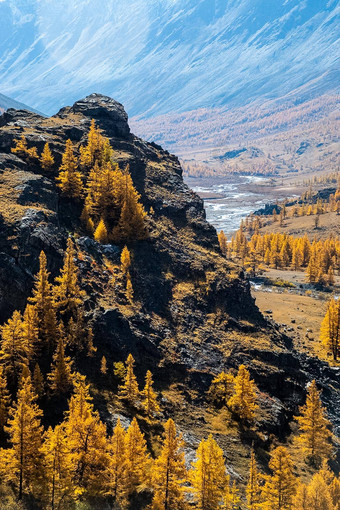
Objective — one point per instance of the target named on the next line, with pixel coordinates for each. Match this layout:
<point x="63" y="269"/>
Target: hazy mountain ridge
<point x="153" y="57"/>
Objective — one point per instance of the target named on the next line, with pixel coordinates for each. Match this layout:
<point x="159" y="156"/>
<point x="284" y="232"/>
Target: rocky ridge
<point x="193" y="314"/>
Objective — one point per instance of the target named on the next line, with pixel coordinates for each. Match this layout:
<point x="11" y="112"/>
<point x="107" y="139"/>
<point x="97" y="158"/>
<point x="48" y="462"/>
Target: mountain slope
<point x="164" y="55"/>
<point x="7" y="102"/>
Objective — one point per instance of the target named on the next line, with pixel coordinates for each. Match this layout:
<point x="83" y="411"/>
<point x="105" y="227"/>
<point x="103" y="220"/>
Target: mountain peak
<point x="108" y="113"/>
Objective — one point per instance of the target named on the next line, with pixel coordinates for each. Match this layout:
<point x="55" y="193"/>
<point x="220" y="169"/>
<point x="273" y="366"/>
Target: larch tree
<point x="61" y="377"/>
<point x="23" y="461"/>
<point x="5" y="400"/>
<point x="319" y="494"/>
<point x="103" y="366"/>
<point x="58" y="469"/>
<point x="221" y="389"/>
<point x="280" y="487"/>
<point x="169" y="472"/>
<point x="243" y="402"/>
<point x="223" y="242"/>
<point x="20" y="148"/>
<point x="46" y="158"/>
<point x="129" y="390"/>
<point x="15" y="351"/>
<point x="38" y="381"/>
<point x="69" y="178"/>
<point x="253" y="490"/>
<point x="117" y="462"/>
<point x="87" y="442"/>
<point x="101" y="234"/>
<point x="301" y="499"/>
<point x="44" y="305"/>
<point x="149" y="397"/>
<point x="314" y="434"/>
<point x="125" y="260"/>
<point x="31" y="330"/>
<point x="330" y="328"/>
<point x="208" y="476"/>
<point x="231" y="499"/>
<point x="136" y="459"/>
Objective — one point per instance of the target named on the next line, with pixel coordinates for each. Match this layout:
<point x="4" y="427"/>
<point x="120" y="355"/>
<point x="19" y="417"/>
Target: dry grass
<point x="301" y="225"/>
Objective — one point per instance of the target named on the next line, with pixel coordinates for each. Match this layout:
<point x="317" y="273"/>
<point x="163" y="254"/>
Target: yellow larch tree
<point x="208" y="476"/>
<point x="280" y="487"/>
<point x="244" y="400"/>
<point x="44" y="305"/>
<point x="253" y="490"/>
<point x="125" y="260"/>
<point x="103" y="366"/>
<point x="314" y="434"/>
<point x="231" y="499"/>
<point x="300" y="500"/>
<point x="87" y="443"/>
<point x="169" y="472"/>
<point x="31" y="330"/>
<point x="330" y="328"/>
<point x="100" y="234"/>
<point x="149" y="397"/>
<point x="5" y="400"/>
<point x="61" y="376"/>
<point x="46" y="158"/>
<point x="117" y="462"/>
<point x="129" y="289"/>
<point x="38" y="381"/>
<point x="58" y="469"/>
<point x="137" y="459"/>
<point x="15" y="351"/>
<point x="97" y="149"/>
<point x="20" y="148"/>
<point x="129" y="390"/>
<point x="86" y="220"/>
<point x="319" y="494"/>
<point x="22" y="463"/>
<point x="223" y="242"/>
<point x="221" y="388"/>
<point x="70" y="179"/>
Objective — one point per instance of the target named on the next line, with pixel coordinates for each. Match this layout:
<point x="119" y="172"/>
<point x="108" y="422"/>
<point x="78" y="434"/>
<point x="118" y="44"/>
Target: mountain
<point x="165" y="56"/>
<point x="7" y="102"/>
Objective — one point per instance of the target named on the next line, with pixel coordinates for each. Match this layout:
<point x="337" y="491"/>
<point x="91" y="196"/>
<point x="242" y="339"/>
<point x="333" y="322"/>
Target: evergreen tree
<point x="223" y="242"/>
<point x="38" y="381"/>
<point x="58" y="469"/>
<point x="31" y="330"/>
<point x="330" y="328"/>
<point x="125" y="260"/>
<point x="301" y="499"/>
<point x="69" y="178"/>
<point x="87" y="443"/>
<point x="169" y="473"/>
<point x="253" y="487"/>
<point x="314" y="434"/>
<point x="117" y="461"/>
<point x="231" y="499"/>
<point x="22" y="463"/>
<point x="129" y="390"/>
<point x="281" y="485"/>
<point x="20" y="148"/>
<point x="243" y="402"/>
<point x="103" y="366"/>
<point x="149" y="396"/>
<point x="137" y="459"/>
<point x="15" y="351"/>
<point x="208" y="476"/>
<point x="319" y="494"/>
<point x="61" y="377"/>
<point x="46" y="158"/>
<point x="129" y="289"/>
<point x="221" y="389"/>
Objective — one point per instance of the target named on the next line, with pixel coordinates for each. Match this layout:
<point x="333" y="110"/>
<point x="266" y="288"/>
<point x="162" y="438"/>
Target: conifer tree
<point x="149" y="396"/>
<point x="69" y="178"/>
<point x="58" y="469"/>
<point x="61" y="377"/>
<point x="15" y="351"/>
<point x="231" y="499"/>
<point x="117" y="461"/>
<point x="103" y="366"/>
<point x="129" y="289"/>
<point x="129" y="390"/>
<point x="208" y="476"/>
<point x="243" y="402"/>
<point x="67" y="293"/>
<point x="314" y="434"/>
<point x="330" y="328"/>
<point x="100" y="234"/>
<point x="38" y="381"/>
<point x="23" y="461"/>
<point x="253" y="487"/>
<point x="86" y="220"/>
<point x="301" y="499"/>
<point x="319" y="494"/>
<point x="223" y="242"/>
<point x="45" y="307"/>
<point x="87" y="443"/>
<point x="125" y="260"/>
<point x="20" y="148"/>
<point x="137" y="459"/>
<point x="221" y="388"/>
<point x="169" y="473"/>
<point x="31" y="330"/>
<point x="281" y="485"/>
<point x="5" y="400"/>
<point x="46" y="158"/>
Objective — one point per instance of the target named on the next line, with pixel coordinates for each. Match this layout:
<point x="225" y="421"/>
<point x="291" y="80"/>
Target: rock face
<point x="193" y="314"/>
